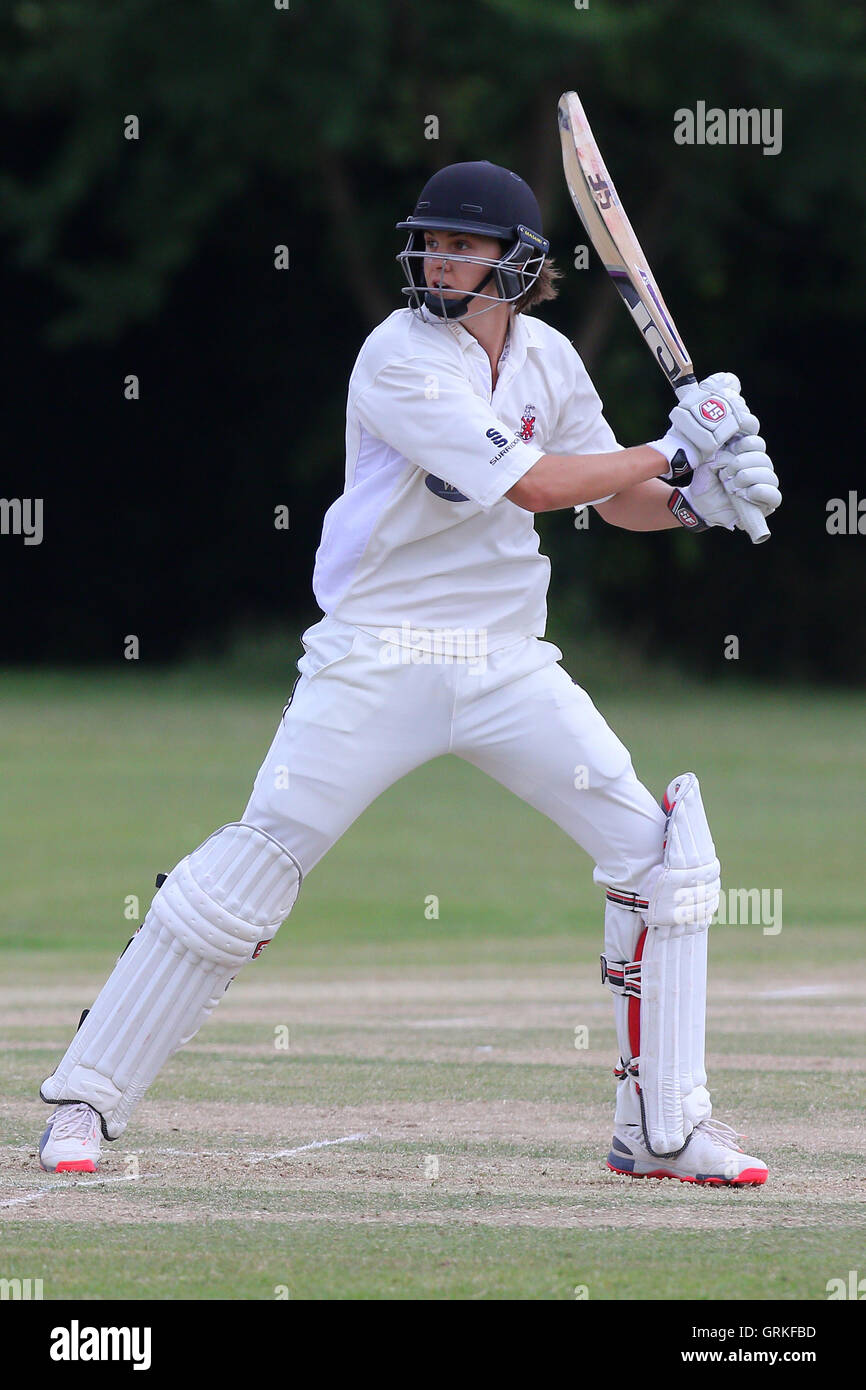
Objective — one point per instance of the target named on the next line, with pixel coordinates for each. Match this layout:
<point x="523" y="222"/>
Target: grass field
<point x="392" y="1105"/>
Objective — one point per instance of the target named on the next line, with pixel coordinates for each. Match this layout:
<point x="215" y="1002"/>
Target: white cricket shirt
<point x="423" y="534"/>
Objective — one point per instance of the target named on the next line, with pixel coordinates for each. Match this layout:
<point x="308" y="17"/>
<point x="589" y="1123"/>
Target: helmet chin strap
<point x="454" y="308"/>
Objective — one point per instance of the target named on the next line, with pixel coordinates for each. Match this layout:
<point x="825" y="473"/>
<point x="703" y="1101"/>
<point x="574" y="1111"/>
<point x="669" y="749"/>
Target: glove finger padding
<point x="750" y="477"/>
<point x="722" y="381"/>
<point x="747" y="472"/>
<point x="730" y="465"/>
<point x="762" y="496"/>
<point x="747" y="444"/>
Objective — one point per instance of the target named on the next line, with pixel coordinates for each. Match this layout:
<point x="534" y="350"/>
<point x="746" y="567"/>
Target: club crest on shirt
<point x="446" y="491"/>
<point x="527" y="423"/>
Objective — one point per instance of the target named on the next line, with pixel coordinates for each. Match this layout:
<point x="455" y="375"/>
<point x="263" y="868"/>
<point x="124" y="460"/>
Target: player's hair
<point x="545" y="287"/>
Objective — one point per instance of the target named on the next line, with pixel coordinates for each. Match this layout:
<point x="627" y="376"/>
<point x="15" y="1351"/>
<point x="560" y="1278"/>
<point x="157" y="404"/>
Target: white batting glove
<point x="744" y="469"/>
<point x="705" y="419"/>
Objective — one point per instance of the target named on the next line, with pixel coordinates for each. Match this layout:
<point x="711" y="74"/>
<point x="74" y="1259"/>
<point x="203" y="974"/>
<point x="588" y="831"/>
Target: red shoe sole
<point x="74" y="1165"/>
<point x="750" y="1177"/>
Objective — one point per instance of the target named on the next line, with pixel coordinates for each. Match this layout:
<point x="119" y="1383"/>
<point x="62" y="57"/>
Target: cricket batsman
<point x="465" y="417"/>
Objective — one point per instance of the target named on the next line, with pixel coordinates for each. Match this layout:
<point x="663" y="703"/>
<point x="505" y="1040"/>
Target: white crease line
<point x="31" y="1197"/>
<point x="65" y="1187"/>
<point x="188" y="1153"/>
<point x="303" y="1148"/>
<point x="256" y="1156"/>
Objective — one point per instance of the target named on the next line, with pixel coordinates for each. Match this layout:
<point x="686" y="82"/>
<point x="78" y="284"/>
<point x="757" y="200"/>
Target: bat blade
<point x="604" y="218"/>
<point x="598" y="205"/>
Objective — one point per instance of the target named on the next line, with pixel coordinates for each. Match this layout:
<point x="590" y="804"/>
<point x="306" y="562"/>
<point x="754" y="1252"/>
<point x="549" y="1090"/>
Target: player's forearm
<point x="569" y="480"/>
<point x="641" y="508"/>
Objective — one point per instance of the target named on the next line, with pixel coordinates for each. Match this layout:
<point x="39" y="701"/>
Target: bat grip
<point x="752" y="520"/>
<point x="750" y="517"/>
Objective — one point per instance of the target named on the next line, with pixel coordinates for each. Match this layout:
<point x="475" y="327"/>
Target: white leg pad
<point x="673" y="1009"/>
<point x="214" y="912"/>
<point x="683" y="894"/>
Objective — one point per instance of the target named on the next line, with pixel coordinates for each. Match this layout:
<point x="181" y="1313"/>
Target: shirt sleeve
<point x="430" y="414"/>
<point x="581" y="427"/>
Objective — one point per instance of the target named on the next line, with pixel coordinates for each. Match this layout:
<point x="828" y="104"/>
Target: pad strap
<point x="630" y="901"/>
<point x="621" y="977"/>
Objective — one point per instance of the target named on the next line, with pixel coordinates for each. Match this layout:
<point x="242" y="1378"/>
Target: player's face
<point x="443" y="269"/>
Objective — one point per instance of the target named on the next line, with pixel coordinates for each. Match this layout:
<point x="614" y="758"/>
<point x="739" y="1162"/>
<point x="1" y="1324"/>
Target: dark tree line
<point x="259" y="127"/>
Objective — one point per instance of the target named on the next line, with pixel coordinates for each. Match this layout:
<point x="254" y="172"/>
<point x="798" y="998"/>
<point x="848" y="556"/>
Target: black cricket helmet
<point x="487" y="200"/>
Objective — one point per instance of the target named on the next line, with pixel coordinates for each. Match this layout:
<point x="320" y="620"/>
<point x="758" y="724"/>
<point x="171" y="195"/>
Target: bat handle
<point x="750" y="517"/>
<point x="752" y="520"/>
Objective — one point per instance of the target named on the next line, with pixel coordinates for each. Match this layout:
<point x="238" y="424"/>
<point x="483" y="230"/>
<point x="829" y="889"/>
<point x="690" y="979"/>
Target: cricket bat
<point x="603" y="216"/>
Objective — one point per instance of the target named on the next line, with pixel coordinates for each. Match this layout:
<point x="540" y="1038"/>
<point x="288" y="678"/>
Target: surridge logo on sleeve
<point x="527" y="423"/>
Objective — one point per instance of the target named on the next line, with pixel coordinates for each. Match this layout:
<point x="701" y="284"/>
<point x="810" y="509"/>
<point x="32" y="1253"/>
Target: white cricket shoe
<point x="72" y="1142"/>
<point x="712" y="1157"/>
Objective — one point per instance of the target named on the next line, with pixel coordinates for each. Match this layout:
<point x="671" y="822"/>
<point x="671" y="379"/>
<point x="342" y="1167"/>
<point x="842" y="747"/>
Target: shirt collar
<point x="522" y="334"/>
<point x="529" y="326"/>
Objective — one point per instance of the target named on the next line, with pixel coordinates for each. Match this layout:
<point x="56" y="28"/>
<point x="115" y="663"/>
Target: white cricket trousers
<point x="359" y="720"/>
